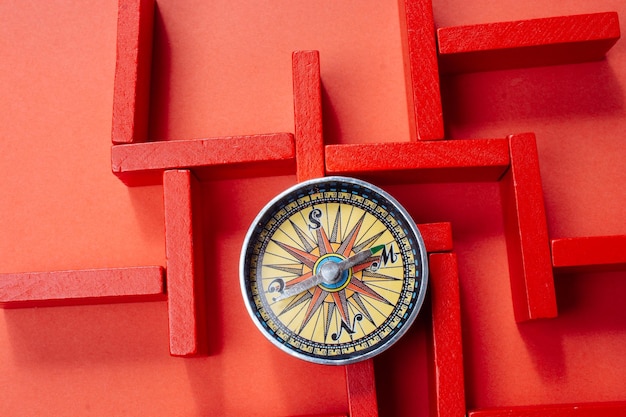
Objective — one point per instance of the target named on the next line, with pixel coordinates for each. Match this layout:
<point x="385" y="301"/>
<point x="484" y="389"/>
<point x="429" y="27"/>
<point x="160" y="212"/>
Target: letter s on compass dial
<point x="333" y="270"/>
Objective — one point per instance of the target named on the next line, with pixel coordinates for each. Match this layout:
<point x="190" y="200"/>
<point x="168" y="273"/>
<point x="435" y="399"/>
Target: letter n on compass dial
<point x="333" y="270"/>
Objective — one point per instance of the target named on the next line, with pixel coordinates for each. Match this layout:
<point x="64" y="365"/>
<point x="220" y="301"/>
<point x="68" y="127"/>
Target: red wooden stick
<point x="530" y="268"/>
<point x="185" y="264"/>
<point x="589" y="253"/>
<point x="437" y="236"/>
<point x="87" y="286"/>
<point x="448" y="396"/>
<point x="131" y="89"/>
<point x="307" y="104"/>
<point x="527" y="43"/>
<point x="430" y="161"/>
<point x="143" y="163"/>
<point x="599" y="409"/>
<point x="322" y="415"/>
<point x="421" y="69"/>
<point x="361" y="384"/>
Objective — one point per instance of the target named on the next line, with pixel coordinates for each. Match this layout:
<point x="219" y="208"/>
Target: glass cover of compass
<point x="333" y="270"/>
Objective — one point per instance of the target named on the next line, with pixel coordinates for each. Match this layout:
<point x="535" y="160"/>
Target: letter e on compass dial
<point x="333" y="270"/>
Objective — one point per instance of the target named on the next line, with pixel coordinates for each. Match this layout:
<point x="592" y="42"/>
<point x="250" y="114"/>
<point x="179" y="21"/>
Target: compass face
<point x="333" y="270"/>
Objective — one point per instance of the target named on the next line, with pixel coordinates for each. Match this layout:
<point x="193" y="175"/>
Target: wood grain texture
<point x="437" y="236"/>
<point x="361" y="387"/>
<point x="87" y="286"/>
<point x="424" y="161"/>
<point x="448" y="395"/>
<point x="144" y="163"/>
<point x="185" y="264"/>
<point x="131" y="88"/>
<point x="527" y="43"/>
<point x="591" y="253"/>
<point x="421" y="69"/>
<point x="597" y="409"/>
<point x="530" y="267"/>
<point x="307" y="109"/>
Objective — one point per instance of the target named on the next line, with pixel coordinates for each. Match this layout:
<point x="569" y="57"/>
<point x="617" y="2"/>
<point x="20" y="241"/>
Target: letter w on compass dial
<point x="326" y="303"/>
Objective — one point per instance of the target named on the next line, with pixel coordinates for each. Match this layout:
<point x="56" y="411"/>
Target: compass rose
<point x="333" y="270"/>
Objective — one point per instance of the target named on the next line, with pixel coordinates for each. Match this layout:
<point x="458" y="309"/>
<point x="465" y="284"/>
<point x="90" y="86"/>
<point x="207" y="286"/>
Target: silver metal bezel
<point x="422" y="255"/>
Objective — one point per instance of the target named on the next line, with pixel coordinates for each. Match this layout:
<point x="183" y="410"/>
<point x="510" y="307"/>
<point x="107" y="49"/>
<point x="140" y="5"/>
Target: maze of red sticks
<point x="534" y="258"/>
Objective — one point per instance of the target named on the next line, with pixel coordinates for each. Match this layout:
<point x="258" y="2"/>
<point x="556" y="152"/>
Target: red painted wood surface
<point x="185" y="264"/>
<point x="361" y="385"/>
<point x="437" y="236"/>
<point x="132" y="71"/>
<point x="448" y="394"/>
<point x="530" y="268"/>
<point x="307" y="112"/>
<point x="599" y="409"/>
<point x="323" y="415"/>
<point x="589" y="253"/>
<point x="143" y="163"/>
<point x="89" y="286"/>
<point x="421" y="69"/>
<point x="237" y="158"/>
<point x="425" y="161"/>
<point x="527" y="43"/>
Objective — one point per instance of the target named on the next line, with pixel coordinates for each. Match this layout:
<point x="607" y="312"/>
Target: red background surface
<point x="224" y="68"/>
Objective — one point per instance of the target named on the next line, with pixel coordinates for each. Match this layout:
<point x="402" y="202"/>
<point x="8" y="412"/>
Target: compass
<point x="333" y="270"/>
